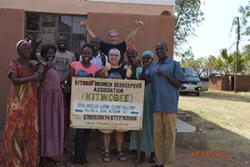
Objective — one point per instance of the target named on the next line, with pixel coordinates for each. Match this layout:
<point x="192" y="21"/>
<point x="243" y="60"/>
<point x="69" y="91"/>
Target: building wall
<point x="223" y="83"/>
<point x="11" y="30"/>
<point x="243" y="83"/>
<point x="83" y="7"/>
<point x="156" y="28"/>
<point x="12" y="19"/>
<point x="218" y="83"/>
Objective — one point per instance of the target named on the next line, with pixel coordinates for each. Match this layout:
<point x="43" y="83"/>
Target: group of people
<point x="39" y="101"/>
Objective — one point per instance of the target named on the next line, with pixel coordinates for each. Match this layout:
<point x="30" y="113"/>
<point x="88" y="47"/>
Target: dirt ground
<point x="223" y="132"/>
<point x="184" y="158"/>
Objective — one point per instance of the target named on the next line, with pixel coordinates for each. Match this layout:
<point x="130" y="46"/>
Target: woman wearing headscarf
<point x="145" y="137"/>
<point x="20" y="140"/>
<point x="132" y="61"/>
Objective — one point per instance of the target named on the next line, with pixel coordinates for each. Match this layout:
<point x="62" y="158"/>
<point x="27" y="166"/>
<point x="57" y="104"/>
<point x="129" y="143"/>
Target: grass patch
<point x="225" y="116"/>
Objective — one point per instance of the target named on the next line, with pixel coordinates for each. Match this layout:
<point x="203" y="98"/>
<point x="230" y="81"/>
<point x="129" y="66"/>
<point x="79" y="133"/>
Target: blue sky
<point x="213" y="34"/>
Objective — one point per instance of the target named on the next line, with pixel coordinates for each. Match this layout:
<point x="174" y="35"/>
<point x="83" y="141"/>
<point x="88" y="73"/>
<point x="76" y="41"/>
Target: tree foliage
<point x="245" y="14"/>
<point x="228" y="61"/>
<point x="223" y="64"/>
<point x="246" y="56"/>
<point x="188" y="15"/>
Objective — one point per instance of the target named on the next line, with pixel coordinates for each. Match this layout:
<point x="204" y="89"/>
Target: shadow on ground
<point x="218" y="138"/>
<point x="221" y="96"/>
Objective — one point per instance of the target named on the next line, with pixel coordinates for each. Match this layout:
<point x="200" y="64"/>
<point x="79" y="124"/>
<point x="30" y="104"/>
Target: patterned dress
<point x="20" y="140"/>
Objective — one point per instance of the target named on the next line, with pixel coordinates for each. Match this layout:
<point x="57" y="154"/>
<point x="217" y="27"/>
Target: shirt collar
<point x="98" y="56"/>
<point x="164" y="62"/>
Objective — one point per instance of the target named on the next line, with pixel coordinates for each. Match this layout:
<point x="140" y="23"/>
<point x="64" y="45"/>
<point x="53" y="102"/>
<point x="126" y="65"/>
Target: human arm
<point x="178" y="76"/>
<point x="66" y="84"/>
<point x="21" y="80"/>
<point x="174" y="82"/>
<point x="104" y="72"/>
<point x="85" y="25"/>
<point x="144" y="75"/>
<point x="17" y="80"/>
<point x="35" y="44"/>
<point x="134" y="31"/>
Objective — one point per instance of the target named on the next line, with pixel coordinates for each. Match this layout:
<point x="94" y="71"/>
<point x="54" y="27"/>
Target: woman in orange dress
<point x="20" y="140"/>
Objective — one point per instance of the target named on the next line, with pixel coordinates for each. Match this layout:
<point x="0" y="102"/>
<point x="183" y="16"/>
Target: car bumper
<point x="191" y="89"/>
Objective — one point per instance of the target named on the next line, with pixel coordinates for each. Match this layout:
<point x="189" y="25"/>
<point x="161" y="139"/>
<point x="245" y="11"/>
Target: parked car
<point x="192" y="83"/>
<point x="204" y="83"/>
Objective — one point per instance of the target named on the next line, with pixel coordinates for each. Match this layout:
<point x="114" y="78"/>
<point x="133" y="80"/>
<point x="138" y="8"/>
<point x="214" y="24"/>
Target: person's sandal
<point x="152" y="158"/>
<point x="52" y="161"/>
<point x="121" y="156"/>
<point x="106" y="157"/>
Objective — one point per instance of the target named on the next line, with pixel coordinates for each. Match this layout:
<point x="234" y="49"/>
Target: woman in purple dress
<point x="51" y="111"/>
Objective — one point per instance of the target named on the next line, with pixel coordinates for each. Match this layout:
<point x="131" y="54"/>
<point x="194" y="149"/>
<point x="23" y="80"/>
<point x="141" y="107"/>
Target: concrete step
<point x="184" y="116"/>
<point x="187" y="137"/>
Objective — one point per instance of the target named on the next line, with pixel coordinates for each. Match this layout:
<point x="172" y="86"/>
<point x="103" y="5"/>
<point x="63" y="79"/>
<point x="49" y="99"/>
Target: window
<point x="48" y="27"/>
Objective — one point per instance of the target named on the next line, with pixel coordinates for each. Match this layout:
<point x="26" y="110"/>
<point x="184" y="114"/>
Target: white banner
<point x="107" y="103"/>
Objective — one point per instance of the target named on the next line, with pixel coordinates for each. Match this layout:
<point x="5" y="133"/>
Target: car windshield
<point x="189" y="72"/>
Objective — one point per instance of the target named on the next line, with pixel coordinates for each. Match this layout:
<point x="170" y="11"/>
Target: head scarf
<point x="132" y="47"/>
<point x="19" y="42"/>
<point x="21" y="45"/>
<point x="149" y="53"/>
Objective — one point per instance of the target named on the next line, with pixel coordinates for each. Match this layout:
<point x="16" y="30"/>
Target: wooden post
<point x="237" y="53"/>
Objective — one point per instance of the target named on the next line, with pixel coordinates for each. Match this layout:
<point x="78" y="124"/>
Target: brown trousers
<point x="164" y="137"/>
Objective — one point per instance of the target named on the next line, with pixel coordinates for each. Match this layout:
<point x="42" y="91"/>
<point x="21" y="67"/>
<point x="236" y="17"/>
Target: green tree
<point x="241" y="62"/>
<point x="246" y="56"/>
<point x="188" y="15"/>
<point x="212" y="64"/>
<point x="245" y="14"/>
<point x="227" y="61"/>
<point x="187" y="59"/>
<point x="219" y="65"/>
<point x="241" y="28"/>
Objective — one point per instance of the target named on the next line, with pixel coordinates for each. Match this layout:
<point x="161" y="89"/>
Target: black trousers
<point x="82" y="137"/>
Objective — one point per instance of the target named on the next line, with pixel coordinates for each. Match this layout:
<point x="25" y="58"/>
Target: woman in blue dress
<point x="145" y="137"/>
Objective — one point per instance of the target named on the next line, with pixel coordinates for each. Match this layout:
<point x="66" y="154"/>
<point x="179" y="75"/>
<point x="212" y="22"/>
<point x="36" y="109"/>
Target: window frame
<point x="56" y="33"/>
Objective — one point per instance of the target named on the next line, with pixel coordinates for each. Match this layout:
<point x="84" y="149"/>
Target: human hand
<point x="37" y="42"/>
<point x="37" y="76"/>
<point x="129" y="72"/>
<point x="137" y="62"/>
<point x="41" y="68"/>
<point x="145" y="65"/>
<point x="65" y="86"/>
<point x="107" y="66"/>
<point x="139" y="23"/>
<point x="159" y="72"/>
<point x="84" y="23"/>
<point x="49" y="65"/>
